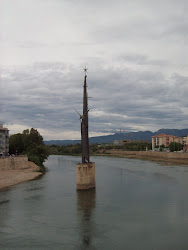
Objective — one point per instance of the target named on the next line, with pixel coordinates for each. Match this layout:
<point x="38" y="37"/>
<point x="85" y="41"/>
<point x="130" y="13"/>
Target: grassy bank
<point x="172" y="157"/>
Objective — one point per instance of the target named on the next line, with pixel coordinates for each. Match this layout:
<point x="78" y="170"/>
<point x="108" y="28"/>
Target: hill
<point x="141" y="135"/>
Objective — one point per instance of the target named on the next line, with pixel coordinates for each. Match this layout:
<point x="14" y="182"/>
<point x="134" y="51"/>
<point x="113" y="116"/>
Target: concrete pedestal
<point x="85" y="176"/>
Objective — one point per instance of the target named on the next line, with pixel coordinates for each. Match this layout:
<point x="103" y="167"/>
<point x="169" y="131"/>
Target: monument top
<point x="85" y="70"/>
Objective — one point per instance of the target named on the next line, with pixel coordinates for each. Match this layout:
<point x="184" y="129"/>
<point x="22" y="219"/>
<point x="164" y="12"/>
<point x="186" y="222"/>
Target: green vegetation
<point x="129" y="146"/>
<point x="137" y="146"/>
<point x="175" y="146"/>
<point x="96" y="148"/>
<point x="161" y="147"/>
<point x="29" y="143"/>
<point x="65" y="150"/>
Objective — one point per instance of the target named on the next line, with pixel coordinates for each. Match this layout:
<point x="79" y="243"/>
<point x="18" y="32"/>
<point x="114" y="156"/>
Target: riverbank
<point x="171" y="157"/>
<point x="15" y="176"/>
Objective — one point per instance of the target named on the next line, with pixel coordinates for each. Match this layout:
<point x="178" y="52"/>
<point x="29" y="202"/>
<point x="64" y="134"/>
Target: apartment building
<point x="164" y="139"/>
<point x="185" y="143"/>
<point x="4" y="141"/>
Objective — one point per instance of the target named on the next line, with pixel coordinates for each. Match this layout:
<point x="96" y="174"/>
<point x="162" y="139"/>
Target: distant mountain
<point x="141" y="135"/>
<point x="176" y="132"/>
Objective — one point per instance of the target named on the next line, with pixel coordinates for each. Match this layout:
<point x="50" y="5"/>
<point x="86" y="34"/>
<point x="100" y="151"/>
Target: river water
<point x="136" y="205"/>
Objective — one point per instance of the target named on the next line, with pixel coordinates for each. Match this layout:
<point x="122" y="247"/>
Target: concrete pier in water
<point x="85" y="176"/>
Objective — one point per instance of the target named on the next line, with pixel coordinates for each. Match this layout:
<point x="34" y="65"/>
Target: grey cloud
<point x="141" y="60"/>
<point x="135" y="74"/>
<point x="141" y="21"/>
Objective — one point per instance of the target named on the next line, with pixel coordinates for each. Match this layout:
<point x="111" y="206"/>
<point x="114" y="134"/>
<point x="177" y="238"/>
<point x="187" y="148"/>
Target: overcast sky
<point x="135" y="51"/>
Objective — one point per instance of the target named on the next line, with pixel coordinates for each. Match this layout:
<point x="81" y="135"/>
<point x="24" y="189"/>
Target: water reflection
<point x="85" y="206"/>
<point x="5" y="201"/>
<point x="34" y="188"/>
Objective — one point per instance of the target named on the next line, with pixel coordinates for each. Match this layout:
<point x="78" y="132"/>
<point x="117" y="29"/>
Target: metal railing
<point x="8" y="156"/>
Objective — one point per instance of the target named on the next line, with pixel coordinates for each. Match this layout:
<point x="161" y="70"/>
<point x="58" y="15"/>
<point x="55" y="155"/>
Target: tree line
<point x="174" y="146"/>
<point x="96" y="148"/>
<point x="29" y="142"/>
<point x="101" y="148"/>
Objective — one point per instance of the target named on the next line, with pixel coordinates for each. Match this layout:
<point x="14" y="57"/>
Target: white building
<point x="4" y="141"/>
<point x="185" y="143"/>
<point x="163" y="139"/>
<point x="118" y="142"/>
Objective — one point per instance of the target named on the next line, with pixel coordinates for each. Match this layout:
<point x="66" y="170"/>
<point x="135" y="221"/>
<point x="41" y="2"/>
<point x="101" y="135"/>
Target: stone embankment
<point x="14" y="170"/>
<point x="172" y="157"/>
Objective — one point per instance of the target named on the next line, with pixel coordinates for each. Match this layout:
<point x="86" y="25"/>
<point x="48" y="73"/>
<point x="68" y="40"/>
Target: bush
<point x="175" y="146"/>
<point x="29" y="143"/>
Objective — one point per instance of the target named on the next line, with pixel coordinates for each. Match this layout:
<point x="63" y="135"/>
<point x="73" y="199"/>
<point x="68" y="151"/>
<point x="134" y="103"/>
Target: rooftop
<point x="165" y="135"/>
<point x="2" y="128"/>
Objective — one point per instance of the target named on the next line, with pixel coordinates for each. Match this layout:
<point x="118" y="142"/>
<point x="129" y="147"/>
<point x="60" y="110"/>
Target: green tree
<point x="16" y="144"/>
<point x="175" y="146"/>
<point x="94" y="148"/>
<point x="161" y="147"/>
<point x="29" y="143"/>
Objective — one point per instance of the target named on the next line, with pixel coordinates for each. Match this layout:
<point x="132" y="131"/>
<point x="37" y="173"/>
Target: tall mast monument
<point x="85" y="171"/>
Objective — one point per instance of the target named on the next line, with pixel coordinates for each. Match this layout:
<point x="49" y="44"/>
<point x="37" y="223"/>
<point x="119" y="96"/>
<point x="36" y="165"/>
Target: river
<point x="136" y="205"/>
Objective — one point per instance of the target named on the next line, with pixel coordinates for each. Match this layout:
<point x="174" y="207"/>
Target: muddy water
<point x="136" y="205"/>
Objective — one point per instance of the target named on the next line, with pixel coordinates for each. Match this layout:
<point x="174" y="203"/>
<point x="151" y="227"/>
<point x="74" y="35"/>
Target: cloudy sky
<point x="135" y="51"/>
